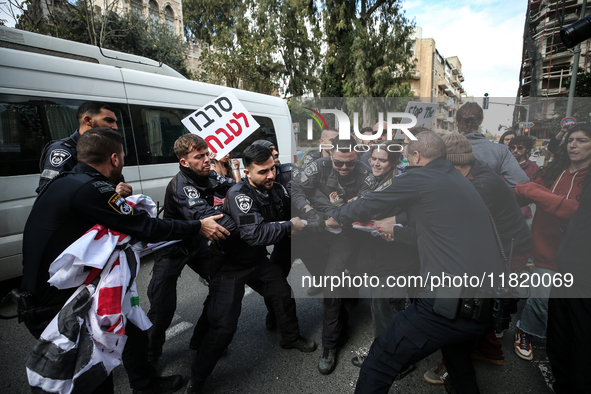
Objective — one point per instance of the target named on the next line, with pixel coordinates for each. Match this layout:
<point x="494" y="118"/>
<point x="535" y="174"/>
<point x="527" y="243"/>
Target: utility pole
<point x="573" y="78"/>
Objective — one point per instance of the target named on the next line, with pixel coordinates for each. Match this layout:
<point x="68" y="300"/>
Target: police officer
<point x="281" y="254"/>
<point x="313" y="154"/>
<point x="283" y="171"/>
<point x="455" y="237"/>
<point x="322" y="185"/>
<point x="189" y="196"/>
<point x="69" y="206"/>
<point x="260" y="209"/>
<point x="60" y="156"/>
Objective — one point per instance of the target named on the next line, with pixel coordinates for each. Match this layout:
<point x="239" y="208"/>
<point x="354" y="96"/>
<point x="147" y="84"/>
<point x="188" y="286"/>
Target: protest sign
<point x="223" y="123"/>
<point x="424" y="112"/>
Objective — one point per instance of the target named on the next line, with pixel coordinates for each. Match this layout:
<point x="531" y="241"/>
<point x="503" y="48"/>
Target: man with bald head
<point x="455" y="237"/>
<point x="313" y="154"/>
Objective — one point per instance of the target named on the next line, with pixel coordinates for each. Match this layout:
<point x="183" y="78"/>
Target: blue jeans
<point x="534" y="317"/>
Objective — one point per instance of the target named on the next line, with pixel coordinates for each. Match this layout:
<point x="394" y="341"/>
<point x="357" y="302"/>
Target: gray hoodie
<point x="498" y="157"/>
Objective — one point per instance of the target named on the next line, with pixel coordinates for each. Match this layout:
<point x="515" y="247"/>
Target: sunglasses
<point x="517" y="147"/>
<point x="348" y="164"/>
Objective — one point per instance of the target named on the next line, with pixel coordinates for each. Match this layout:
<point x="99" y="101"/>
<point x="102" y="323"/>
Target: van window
<point x="21" y="138"/>
<point x="61" y="120"/>
<point x="27" y="124"/>
<point x="266" y="131"/>
<point x="155" y="131"/>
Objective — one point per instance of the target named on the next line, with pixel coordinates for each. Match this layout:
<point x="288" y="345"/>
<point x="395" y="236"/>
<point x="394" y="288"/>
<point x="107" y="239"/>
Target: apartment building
<point x="546" y="63"/>
<point x="439" y="79"/>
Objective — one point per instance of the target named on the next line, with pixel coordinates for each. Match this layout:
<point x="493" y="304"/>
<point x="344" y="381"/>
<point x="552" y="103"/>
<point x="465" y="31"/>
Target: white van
<point x="39" y="96"/>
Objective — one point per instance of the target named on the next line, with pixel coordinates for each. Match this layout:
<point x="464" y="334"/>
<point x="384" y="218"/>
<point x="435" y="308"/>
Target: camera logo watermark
<point x="344" y="124"/>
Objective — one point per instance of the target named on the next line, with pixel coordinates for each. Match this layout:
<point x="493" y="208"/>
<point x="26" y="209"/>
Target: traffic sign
<point x="523" y="125"/>
<point x="568" y="121"/>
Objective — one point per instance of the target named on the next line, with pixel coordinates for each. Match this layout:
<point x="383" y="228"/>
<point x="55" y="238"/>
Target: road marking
<point x="184" y="326"/>
<point x="353" y="384"/>
<point x="177" y="329"/>
<point x="546" y="372"/>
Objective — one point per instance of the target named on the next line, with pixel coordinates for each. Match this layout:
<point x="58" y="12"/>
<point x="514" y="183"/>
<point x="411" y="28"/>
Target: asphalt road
<point x="256" y="364"/>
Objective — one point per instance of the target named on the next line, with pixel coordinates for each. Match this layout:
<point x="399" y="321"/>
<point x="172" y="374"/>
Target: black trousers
<point x="281" y="256"/>
<point x="327" y="254"/>
<point x="569" y="343"/>
<point x="168" y="265"/>
<point x="224" y="305"/>
<point x="415" y="333"/>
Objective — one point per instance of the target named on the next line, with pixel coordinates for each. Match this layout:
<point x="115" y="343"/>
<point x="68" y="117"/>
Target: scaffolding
<point x="546" y="64"/>
<point x="543" y="23"/>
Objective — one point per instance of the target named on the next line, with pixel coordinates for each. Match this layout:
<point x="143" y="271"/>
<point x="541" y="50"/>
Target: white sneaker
<point x="523" y="346"/>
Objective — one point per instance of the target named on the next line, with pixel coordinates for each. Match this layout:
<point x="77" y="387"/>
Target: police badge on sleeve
<point x="58" y="157"/>
<point x="191" y="192"/>
<point x="244" y="202"/>
<point x="119" y="204"/>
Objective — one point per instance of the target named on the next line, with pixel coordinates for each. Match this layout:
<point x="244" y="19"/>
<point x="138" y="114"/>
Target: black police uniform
<point x="188" y="197"/>
<point x="309" y="156"/>
<point x="57" y="157"/>
<point x="262" y="219"/>
<point x="283" y="175"/>
<point x="382" y="259"/>
<point x="454" y="236"/>
<point x="326" y="253"/>
<point x="318" y="180"/>
<point x="281" y="254"/>
<point x="69" y="207"/>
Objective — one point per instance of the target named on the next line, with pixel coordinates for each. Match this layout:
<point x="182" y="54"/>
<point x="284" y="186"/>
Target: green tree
<point x="583" y="87"/>
<point x="266" y="44"/>
<point x="299" y="46"/>
<point x="368" y="49"/>
<point x="245" y="58"/>
<point x="130" y="33"/>
<point x="206" y="19"/>
<point x="276" y="44"/>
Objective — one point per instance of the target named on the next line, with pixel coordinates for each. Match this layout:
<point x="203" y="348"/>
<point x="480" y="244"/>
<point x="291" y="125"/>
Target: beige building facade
<point x="167" y="11"/>
<point x="437" y="79"/>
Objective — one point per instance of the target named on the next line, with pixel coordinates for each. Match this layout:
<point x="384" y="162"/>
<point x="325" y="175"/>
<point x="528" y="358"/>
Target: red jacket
<point x="530" y="168"/>
<point x="554" y="208"/>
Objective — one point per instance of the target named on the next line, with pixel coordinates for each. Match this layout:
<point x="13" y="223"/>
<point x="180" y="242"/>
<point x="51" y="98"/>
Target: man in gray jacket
<point x="497" y="156"/>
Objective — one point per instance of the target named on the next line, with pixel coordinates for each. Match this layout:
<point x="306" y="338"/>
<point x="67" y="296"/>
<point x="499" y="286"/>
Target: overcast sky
<point x="487" y="36"/>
